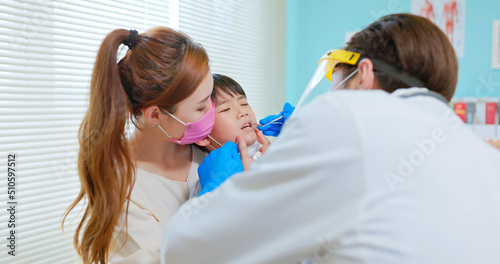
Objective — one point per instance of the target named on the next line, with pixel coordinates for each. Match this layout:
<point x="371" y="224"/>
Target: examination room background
<point x="271" y="47"/>
<point x="313" y="27"/>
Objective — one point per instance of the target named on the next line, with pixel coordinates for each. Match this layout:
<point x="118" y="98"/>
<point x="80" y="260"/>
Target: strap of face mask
<point x="344" y="81"/>
<point x="220" y="145"/>
<point x="176" y="118"/>
<point x="165" y="132"/>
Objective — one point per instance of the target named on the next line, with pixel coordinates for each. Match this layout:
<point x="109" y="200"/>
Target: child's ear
<point x="204" y="142"/>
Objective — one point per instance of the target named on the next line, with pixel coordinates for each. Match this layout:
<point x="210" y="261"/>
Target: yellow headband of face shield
<point x="334" y="57"/>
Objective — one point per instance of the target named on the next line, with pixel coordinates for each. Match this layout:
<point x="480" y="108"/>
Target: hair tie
<point x="132" y="38"/>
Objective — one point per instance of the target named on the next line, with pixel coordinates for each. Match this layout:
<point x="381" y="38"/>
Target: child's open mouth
<point x="247" y="126"/>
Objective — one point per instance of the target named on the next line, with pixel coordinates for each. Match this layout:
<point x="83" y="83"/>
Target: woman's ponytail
<point x="162" y="67"/>
<point x="104" y="162"/>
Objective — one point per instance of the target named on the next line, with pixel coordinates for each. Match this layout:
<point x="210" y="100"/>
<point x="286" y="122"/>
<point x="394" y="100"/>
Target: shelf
<point x="486" y="132"/>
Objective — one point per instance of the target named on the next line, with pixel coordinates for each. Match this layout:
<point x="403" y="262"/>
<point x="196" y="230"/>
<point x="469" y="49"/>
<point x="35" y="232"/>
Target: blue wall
<point x="316" y="26"/>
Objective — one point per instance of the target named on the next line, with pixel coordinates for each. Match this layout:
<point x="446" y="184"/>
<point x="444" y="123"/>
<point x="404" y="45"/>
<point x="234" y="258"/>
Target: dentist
<point x="378" y="172"/>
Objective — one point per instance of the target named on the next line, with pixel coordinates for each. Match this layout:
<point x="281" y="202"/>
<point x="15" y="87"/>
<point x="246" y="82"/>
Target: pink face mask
<point x="195" y="131"/>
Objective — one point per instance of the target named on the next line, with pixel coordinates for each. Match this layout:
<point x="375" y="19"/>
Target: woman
<point x="376" y="173"/>
<point x="133" y="185"/>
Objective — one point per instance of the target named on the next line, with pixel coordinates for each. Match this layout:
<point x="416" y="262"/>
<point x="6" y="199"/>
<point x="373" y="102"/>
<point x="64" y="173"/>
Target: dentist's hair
<point x="413" y="44"/>
<point x="162" y="67"/>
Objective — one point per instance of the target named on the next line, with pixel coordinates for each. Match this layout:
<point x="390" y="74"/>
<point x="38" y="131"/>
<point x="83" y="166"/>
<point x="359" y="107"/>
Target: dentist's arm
<point x="219" y="165"/>
<point x="305" y="189"/>
<point x="225" y="161"/>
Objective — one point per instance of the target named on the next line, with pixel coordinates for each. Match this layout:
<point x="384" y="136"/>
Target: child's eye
<point x="201" y="109"/>
<point x="245" y="104"/>
<point x="225" y="110"/>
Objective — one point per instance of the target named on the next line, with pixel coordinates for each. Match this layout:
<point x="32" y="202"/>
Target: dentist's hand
<point x="262" y="140"/>
<point x="218" y="166"/>
<point x="245" y="159"/>
<point x="274" y="129"/>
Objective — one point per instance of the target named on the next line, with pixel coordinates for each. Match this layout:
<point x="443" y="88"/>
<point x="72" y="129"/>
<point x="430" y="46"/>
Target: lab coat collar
<point x="419" y="91"/>
<point x="409" y="91"/>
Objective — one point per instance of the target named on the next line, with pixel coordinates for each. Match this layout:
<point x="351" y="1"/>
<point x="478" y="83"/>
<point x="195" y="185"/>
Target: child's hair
<point x="223" y="83"/>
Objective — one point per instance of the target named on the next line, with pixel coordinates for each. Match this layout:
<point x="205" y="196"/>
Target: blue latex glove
<point x="274" y="129"/>
<point x="219" y="165"/>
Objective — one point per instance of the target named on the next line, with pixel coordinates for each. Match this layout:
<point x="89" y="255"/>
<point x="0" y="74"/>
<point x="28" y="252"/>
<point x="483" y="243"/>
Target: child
<point x="233" y="117"/>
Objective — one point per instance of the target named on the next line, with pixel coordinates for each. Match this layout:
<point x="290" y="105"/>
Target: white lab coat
<point x="355" y="177"/>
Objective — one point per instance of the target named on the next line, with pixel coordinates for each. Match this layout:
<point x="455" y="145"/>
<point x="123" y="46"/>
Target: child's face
<point x="233" y="117"/>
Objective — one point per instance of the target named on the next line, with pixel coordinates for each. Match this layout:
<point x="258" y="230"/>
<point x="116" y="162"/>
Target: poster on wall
<point x="448" y="15"/>
<point x="495" y="45"/>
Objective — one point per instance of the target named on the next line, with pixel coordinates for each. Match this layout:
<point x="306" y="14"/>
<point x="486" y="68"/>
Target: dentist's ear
<point x="367" y="76"/>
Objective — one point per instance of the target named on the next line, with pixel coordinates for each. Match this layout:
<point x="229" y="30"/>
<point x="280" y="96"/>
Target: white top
<point x="355" y="177"/>
<point x="153" y="202"/>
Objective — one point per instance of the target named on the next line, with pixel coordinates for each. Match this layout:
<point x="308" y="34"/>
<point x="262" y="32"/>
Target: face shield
<point x="332" y="58"/>
<point x="326" y="66"/>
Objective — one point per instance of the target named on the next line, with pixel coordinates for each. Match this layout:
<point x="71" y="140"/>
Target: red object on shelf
<point x="491" y="112"/>
<point x="460" y="110"/>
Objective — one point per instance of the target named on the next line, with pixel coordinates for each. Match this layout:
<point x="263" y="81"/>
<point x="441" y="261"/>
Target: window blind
<point x="244" y="40"/>
<point x="47" y="51"/>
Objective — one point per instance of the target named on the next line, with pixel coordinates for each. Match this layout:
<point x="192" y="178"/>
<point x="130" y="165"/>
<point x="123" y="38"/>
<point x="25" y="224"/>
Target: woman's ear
<point x="367" y="76"/>
<point x="152" y="115"/>
<point x="204" y="142"/>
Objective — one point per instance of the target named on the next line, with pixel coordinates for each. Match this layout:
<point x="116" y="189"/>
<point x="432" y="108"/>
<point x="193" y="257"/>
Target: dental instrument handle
<point x="272" y="121"/>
